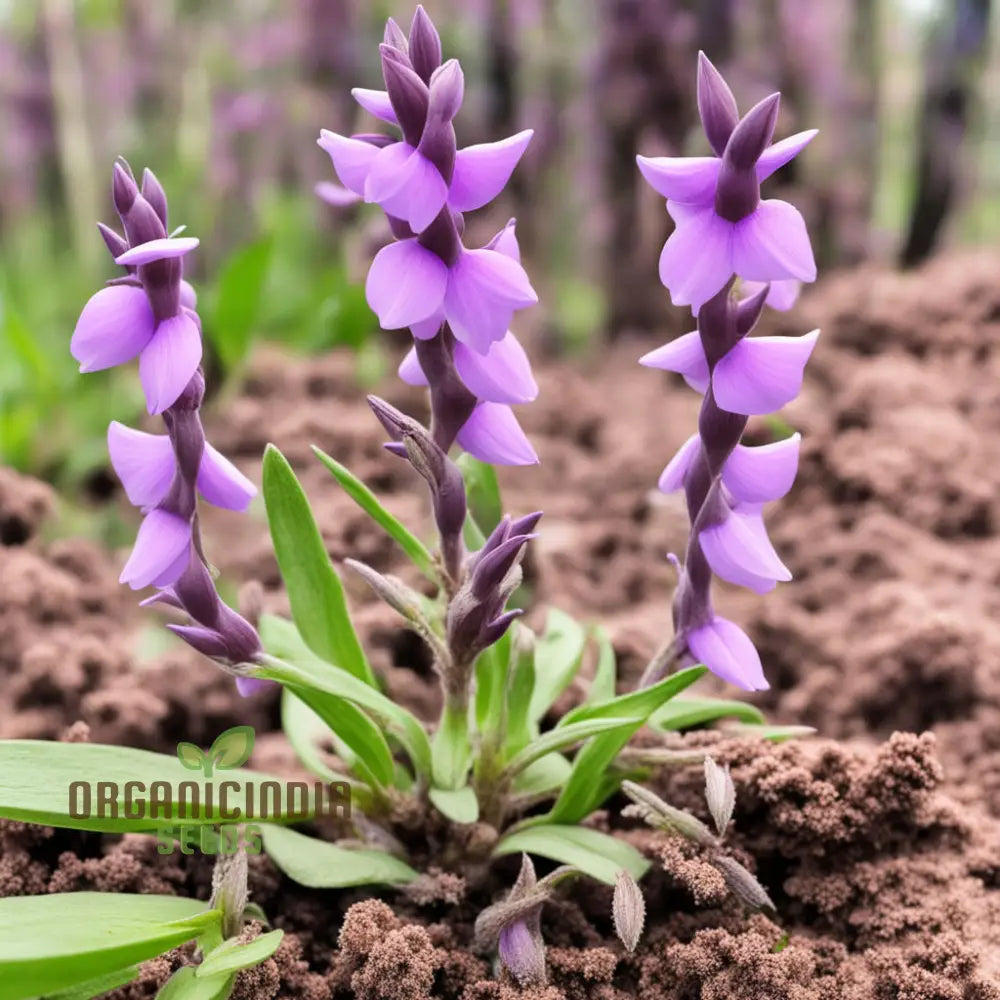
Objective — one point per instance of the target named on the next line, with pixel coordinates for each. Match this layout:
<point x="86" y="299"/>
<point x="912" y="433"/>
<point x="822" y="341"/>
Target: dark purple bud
<point x="496" y="537"/>
<point x="437" y="142"/>
<point x="425" y="44"/>
<point x="196" y="594"/>
<point x="523" y="954"/>
<point x="115" y="243"/>
<point x="242" y="642"/>
<point x="753" y="134"/>
<point x="447" y="88"/>
<point x="123" y="188"/>
<point x="492" y="569"/>
<point x="153" y="192"/>
<point x="167" y="597"/>
<point x="527" y="524"/>
<point x="749" y="309"/>
<point x="408" y="94"/>
<point x="394" y="36"/>
<point x="716" y="105"/>
<point x="495" y="630"/>
<point x="204" y="640"/>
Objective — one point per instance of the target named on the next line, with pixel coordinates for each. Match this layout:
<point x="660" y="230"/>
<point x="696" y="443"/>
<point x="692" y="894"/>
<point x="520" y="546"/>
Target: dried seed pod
<point x="650" y="808"/>
<point x="743" y="884"/>
<point x="719" y="794"/>
<point x="628" y="908"/>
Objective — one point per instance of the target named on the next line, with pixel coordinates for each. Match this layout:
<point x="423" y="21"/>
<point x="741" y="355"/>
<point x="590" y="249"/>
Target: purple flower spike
<point x="726" y="233"/>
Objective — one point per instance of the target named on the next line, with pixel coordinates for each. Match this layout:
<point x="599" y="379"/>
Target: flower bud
<point x="719" y="794"/>
<point x="628" y="909"/>
<point x="425" y="44"/>
<point x="716" y="105"/>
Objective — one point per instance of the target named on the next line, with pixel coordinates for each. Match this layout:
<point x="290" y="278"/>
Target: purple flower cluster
<point x="150" y="313"/>
<point x="726" y="232"/>
<point x="427" y="280"/>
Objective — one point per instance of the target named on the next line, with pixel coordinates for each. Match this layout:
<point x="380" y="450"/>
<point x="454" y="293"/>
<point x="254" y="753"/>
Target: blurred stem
<point x="76" y="155"/>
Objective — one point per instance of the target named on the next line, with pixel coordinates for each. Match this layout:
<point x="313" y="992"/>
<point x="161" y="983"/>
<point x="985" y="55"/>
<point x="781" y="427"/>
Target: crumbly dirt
<point x="878" y="840"/>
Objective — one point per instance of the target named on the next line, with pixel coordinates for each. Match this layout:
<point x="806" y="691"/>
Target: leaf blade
<point x="598" y="854"/>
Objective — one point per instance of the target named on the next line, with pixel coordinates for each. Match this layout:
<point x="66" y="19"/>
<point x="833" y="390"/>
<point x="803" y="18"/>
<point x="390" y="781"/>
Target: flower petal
<point x="728" y="652"/>
<point x="690" y="179"/>
<point x="771" y="244"/>
<point x="672" y="477"/>
<point x="781" y="296"/>
<point x="501" y="375"/>
<point x="686" y="356"/>
<point x="492" y="434"/>
<point x="336" y="195"/>
<point x="764" y="473"/>
<point x="505" y="242"/>
<point x="481" y="171"/>
<point x="406" y="284"/>
<point x="776" y="156"/>
<point x="410" y="371"/>
<point x="761" y="374"/>
<point x="406" y="185"/>
<point x="206" y="641"/>
<point x="375" y="102"/>
<point x="162" y="543"/>
<point x="221" y="483"/>
<point x="169" y="360"/>
<point x="115" y="325"/>
<point x="189" y="297"/>
<point x="145" y="463"/>
<point x="162" y="249"/>
<point x="249" y="686"/>
<point x="485" y="288"/>
<point x="739" y="551"/>
<point x="696" y="261"/>
<point x="352" y="158"/>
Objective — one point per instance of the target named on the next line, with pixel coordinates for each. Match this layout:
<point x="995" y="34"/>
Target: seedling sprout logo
<point x="211" y="815"/>
<point x="230" y="750"/>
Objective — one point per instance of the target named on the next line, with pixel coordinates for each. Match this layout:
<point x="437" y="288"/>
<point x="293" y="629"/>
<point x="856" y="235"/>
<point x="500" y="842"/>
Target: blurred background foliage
<point x="223" y="100"/>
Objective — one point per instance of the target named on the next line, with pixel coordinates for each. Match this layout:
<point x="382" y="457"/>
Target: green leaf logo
<point x="233" y="748"/>
<point x="192" y="758"/>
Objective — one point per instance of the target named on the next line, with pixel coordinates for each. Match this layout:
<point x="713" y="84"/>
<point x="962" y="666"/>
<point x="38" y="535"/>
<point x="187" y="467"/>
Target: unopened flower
<point x="722" y="225"/>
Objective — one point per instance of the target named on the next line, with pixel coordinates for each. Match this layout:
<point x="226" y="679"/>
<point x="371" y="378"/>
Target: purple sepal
<point x="716" y="105"/>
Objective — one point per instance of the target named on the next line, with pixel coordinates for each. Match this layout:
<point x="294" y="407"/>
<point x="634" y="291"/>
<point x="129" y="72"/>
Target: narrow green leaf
<point x="185" y="984"/>
<point x="306" y="731"/>
<point x="683" y="713"/>
<point x="460" y="805"/>
<point x="597" y="854"/>
<point x="55" y="942"/>
<point x="584" y="792"/>
<point x="321" y="865"/>
<point x="314" y="589"/>
<point x="565" y="736"/>
<point x="41" y="780"/>
<point x="558" y="654"/>
<point x="776" y="734"/>
<point x="236" y="306"/>
<point x="492" y="671"/>
<point x="230" y="956"/>
<point x="301" y="670"/>
<point x="521" y="727"/>
<point x="546" y="775"/>
<point x="483" y="492"/>
<point x="451" y="750"/>
<point x="393" y="527"/>
<point x="602" y="687"/>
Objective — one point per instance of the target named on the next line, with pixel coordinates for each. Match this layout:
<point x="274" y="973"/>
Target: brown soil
<point x="881" y="851"/>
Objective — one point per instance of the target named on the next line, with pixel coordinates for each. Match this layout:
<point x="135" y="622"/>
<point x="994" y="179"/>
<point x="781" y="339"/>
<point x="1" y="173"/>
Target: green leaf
<point x="546" y="775"/>
<point x="52" y="943"/>
<point x="565" y="736"/>
<point x="597" y="854"/>
<point x="460" y="805"/>
<point x="299" y="669"/>
<point x="306" y="731"/>
<point x="314" y="590"/>
<point x="451" y="750"/>
<point x="584" y="791"/>
<point x="98" y="986"/>
<point x="602" y="687"/>
<point x="185" y="984"/>
<point x="492" y="669"/>
<point x="369" y="503"/>
<point x="483" y="492"/>
<point x="237" y="299"/>
<point x="193" y="758"/>
<point x="683" y="713"/>
<point x="558" y="654"/>
<point x="776" y="734"/>
<point x="230" y="956"/>
<point x="321" y="865"/>
<point x="40" y="778"/>
<point x="232" y="748"/>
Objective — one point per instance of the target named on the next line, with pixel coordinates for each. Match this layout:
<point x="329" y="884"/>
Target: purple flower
<point x="722" y="225"/>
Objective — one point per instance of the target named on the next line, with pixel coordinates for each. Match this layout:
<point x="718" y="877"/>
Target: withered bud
<point x="628" y="908"/>
<point x="651" y="809"/>
<point x="742" y="884"/>
<point x="719" y="794"/>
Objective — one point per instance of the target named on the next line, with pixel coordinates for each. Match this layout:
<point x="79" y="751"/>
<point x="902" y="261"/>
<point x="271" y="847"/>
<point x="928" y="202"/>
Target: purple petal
<point x="375" y="102"/>
<point x="427" y="329"/>
<point x="492" y="434"/>
<point x="406" y="284"/>
<point x="406" y="185"/>
<point x="352" y="158"/>
<point x="162" y="249"/>
<point x="502" y="375"/>
<point x="221" y="483"/>
<point x="481" y="171"/>
<point x="485" y="288"/>
<point x="115" y="325"/>
<point x="672" y="477"/>
<point x="761" y="374"/>
<point x="696" y="261"/>
<point x="689" y="179"/>
<point x="762" y="474"/>
<point x="772" y="244"/>
<point x="169" y="360"/>
<point x="728" y="652"/>
<point x="776" y="156"/>
<point x="739" y="551"/>
<point x="161" y="547"/>
<point x="686" y="356"/>
<point x="410" y="371"/>
<point x="782" y="295"/>
<point x="189" y="297"/>
<point x="249" y="686"/>
<point x="145" y="463"/>
<point x="205" y="640"/>
<point x="521" y="953"/>
<point x="505" y="242"/>
<point x="334" y="194"/>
